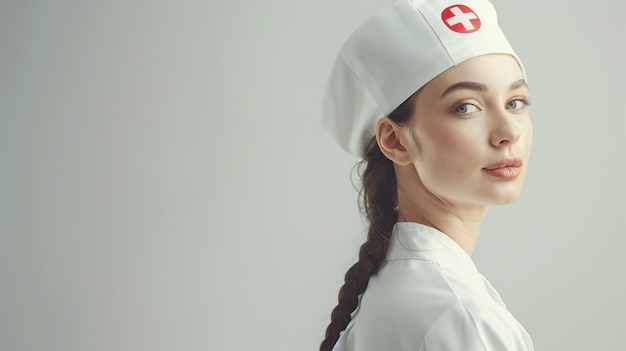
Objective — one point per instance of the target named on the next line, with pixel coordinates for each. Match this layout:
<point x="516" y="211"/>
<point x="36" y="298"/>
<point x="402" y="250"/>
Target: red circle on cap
<point x="460" y="19"/>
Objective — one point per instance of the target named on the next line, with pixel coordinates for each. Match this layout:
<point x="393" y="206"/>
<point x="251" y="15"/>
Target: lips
<point x="506" y="162"/>
<point x="507" y="168"/>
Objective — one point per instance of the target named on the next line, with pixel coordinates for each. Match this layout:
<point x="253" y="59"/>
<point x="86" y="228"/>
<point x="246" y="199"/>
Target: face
<point x="472" y="132"/>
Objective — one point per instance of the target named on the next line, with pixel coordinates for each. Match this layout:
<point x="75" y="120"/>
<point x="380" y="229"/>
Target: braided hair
<point x="378" y="197"/>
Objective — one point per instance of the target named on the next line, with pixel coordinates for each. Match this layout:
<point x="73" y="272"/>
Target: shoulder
<point x="410" y="291"/>
<point x="472" y="325"/>
<point x="400" y="304"/>
<point x="414" y="305"/>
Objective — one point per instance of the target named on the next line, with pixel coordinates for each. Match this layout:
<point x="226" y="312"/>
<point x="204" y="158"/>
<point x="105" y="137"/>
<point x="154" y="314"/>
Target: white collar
<point x="414" y="241"/>
<point x="417" y="241"/>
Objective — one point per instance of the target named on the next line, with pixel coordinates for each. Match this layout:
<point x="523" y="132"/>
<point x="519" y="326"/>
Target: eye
<point x="518" y="104"/>
<point x="466" y="108"/>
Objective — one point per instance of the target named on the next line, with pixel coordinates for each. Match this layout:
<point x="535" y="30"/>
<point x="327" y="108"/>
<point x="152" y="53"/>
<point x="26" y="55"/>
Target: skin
<point x="441" y="153"/>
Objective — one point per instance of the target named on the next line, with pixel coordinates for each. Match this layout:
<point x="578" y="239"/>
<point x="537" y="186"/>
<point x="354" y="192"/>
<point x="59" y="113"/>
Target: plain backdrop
<point x="165" y="182"/>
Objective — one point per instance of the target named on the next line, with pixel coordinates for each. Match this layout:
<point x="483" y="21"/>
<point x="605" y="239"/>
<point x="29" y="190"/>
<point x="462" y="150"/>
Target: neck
<point x="460" y="221"/>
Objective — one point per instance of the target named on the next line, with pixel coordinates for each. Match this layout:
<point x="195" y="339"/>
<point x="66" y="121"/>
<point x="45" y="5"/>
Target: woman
<point x="434" y="99"/>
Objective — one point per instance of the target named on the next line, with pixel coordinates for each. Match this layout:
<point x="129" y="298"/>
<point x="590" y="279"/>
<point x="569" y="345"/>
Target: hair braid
<point x="379" y="199"/>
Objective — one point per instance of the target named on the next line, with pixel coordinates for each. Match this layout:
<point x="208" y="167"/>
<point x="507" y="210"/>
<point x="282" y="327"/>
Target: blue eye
<point x="466" y="109"/>
<point x="518" y="104"/>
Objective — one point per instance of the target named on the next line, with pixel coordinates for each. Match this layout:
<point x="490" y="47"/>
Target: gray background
<point x="165" y="183"/>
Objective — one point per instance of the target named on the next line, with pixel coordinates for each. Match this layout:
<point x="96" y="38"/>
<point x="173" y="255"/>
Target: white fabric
<point x="428" y="296"/>
<point x="396" y="52"/>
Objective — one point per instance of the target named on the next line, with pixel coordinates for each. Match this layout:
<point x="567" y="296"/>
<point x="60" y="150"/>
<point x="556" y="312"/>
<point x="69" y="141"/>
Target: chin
<point x="504" y="198"/>
<point x="503" y="193"/>
<point x="505" y="202"/>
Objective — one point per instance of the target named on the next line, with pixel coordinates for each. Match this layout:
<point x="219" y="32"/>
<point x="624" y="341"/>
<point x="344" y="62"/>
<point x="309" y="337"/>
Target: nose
<point x="505" y="129"/>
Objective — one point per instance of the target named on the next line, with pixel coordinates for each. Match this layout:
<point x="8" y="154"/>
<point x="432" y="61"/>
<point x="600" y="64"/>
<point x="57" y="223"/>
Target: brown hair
<point x="378" y="197"/>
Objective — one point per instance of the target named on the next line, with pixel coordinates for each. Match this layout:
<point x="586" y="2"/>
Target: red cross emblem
<point x="461" y="19"/>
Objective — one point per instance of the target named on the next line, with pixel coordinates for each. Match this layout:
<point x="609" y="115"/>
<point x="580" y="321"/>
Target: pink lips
<point x="508" y="168"/>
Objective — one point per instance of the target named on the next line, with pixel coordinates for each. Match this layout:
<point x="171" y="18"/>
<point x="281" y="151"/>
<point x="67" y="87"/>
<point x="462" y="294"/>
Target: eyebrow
<point x="480" y="87"/>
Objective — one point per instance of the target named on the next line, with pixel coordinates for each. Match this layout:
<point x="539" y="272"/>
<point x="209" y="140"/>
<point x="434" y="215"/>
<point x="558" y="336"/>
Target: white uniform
<point x="428" y="296"/>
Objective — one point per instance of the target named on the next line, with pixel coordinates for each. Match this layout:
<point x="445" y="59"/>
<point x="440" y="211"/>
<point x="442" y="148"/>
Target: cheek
<point x="447" y="153"/>
<point x="529" y="134"/>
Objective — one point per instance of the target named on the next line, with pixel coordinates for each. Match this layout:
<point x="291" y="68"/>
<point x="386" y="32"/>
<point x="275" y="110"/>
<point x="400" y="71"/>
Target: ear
<point x="393" y="141"/>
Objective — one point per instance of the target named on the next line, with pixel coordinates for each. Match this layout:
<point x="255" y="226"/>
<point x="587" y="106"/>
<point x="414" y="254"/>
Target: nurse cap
<point x="396" y="52"/>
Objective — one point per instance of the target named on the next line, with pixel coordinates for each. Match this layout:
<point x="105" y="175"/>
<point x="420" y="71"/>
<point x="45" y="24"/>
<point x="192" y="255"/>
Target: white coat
<point x="429" y="296"/>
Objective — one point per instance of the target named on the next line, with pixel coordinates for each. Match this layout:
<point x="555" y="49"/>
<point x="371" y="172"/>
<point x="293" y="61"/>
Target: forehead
<point x="496" y="71"/>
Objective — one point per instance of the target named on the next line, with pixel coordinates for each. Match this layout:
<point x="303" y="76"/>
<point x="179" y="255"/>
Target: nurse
<point x="434" y="99"/>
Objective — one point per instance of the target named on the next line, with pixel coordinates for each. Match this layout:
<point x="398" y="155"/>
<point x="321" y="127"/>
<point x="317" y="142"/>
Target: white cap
<point x="396" y="52"/>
